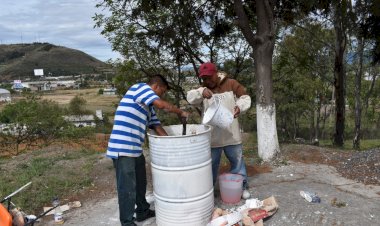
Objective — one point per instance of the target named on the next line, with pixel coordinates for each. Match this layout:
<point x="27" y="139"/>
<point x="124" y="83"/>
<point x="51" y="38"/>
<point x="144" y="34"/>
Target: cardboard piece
<point x="254" y="217"/>
<point x="65" y="207"/>
<point x="259" y="223"/>
<point x="270" y="205"/>
<point x="74" y="204"/>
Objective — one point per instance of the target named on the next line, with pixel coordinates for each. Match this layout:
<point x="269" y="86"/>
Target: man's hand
<point x="207" y="93"/>
<point x="236" y="111"/>
<point x="160" y="131"/>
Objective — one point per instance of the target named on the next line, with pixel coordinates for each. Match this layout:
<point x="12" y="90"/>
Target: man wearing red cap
<point x="233" y="96"/>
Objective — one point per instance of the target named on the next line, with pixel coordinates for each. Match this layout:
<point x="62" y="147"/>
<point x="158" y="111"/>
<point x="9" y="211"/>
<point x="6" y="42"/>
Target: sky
<point x="65" y="23"/>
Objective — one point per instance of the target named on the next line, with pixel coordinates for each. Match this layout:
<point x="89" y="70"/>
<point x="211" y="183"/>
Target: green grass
<point x="250" y="153"/>
<point x="250" y="144"/>
<point x="51" y="176"/>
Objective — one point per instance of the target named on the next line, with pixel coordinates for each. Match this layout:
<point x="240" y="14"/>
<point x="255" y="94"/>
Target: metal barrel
<point x="182" y="175"/>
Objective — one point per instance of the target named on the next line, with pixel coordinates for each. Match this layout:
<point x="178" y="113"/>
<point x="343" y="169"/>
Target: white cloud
<point x="60" y="22"/>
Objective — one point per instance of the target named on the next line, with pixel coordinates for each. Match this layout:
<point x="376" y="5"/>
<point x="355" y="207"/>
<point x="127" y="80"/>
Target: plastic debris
<point x="310" y="196"/>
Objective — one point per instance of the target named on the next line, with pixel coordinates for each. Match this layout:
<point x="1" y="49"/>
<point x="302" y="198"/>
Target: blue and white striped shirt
<point x="132" y="116"/>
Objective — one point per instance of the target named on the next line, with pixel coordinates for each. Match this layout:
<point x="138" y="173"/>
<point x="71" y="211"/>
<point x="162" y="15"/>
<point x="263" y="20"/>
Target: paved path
<point x="285" y="183"/>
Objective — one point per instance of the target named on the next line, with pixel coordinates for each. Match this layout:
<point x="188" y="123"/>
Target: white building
<point x="109" y="91"/>
<point x="81" y="120"/>
<point x="5" y="95"/>
<point x="18" y="86"/>
<point x="12" y="129"/>
<point x="45" y="85"/>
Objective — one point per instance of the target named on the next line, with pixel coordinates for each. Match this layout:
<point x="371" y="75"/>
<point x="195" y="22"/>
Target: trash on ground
<point x="65" y="207"/>
<point x="336" y="203"/>
<point x="254" y="203"/>
<point x="251" y="213"/>
<point x="74" y="204"/>
<point x="31" y="218"/>
<point x="310" y="196"/>
<point x="18" y="217"/>
<point x="268" y="208"/>
<point x="257" y="214"/>
<point x="58" y="213"/>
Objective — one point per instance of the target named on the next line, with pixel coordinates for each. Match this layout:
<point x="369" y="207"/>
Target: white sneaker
<point x="246" y="194"/>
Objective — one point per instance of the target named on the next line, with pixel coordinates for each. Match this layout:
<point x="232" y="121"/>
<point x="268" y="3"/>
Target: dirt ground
<point x="360" y="166"/>
<point x="340" y="177"/>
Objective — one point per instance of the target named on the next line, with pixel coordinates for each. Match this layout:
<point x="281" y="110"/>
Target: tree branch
<point x="243" y="23"/>
<point x="269" y="13"/>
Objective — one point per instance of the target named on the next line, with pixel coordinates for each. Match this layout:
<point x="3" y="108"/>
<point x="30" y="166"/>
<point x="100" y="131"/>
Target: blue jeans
<point x="131" y="187"/>
<point x="234" y="154"/>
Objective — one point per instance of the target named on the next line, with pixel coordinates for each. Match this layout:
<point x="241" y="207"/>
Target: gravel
<point x="361" y="166"/>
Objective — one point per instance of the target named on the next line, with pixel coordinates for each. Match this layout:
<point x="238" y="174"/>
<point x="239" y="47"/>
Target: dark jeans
<point x="131" y="187"/>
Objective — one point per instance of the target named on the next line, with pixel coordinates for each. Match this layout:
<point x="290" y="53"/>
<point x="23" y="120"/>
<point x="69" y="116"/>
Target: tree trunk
<point x="324" y="121"/>
<point x="318" y="119"/>
<point x="262" y="44"/>
<point x="268" y="144"/>
<point x="358" y="104"/>
<point x="295" y="127"/>
<point x="339" y="74"/>
<point x="312" y="126"/>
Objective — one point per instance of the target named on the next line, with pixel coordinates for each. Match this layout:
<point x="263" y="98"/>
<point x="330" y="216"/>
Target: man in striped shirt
<point x="134" y="113"/>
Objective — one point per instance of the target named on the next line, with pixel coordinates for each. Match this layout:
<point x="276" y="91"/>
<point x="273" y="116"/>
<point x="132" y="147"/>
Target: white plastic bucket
<point x="217" y="115"/>
<point x="231" y="187"/>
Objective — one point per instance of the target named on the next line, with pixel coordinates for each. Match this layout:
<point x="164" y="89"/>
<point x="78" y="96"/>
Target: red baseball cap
<point x="207" y="69"/>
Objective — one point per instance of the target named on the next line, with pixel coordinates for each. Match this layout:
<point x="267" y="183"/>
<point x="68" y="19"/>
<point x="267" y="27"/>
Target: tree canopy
<point x="305" y="41"/>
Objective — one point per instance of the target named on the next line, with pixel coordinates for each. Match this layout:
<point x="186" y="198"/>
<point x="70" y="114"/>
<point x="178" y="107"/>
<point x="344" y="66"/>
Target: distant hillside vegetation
<point x="20" y="60"/>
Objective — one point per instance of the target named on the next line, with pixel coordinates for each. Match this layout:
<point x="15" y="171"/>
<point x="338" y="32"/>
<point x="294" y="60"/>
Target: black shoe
<point x="148" y="214"/>
<point x="129" y="224"/>
<point x="133" y="224"/>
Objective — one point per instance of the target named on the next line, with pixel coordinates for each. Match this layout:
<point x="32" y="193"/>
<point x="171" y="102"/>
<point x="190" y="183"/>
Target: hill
<point x="20" y="60"/>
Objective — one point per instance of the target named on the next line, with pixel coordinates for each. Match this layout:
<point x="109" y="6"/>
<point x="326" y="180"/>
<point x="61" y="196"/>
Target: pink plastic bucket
<point x="231" y="187"/>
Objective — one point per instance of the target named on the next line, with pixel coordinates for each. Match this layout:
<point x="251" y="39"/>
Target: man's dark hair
<point x="158" y="79"/>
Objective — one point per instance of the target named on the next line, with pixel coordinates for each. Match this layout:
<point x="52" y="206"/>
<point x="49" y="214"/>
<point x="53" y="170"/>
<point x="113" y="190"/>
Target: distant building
<point x="99" y="114"/>
<point x="12" y="129"/>
<point x="17" y="85"/>
<point x="81" y="120"/>
<point x="45" y="85"/>
<point x="41" y="86"/>
<point x="5" y="95"/>
<point x="109" y="91"/>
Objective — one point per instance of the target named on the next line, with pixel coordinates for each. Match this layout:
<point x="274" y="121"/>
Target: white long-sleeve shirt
<point x="231" y="93"/>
